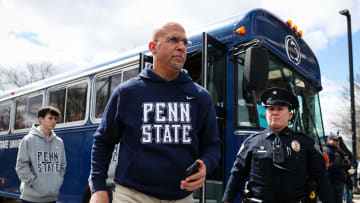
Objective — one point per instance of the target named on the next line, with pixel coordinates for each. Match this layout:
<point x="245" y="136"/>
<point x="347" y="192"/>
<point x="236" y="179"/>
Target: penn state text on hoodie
<point x="40" y="165"/>
<point x="164" y="126"/>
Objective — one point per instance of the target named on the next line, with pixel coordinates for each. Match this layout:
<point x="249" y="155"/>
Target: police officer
<point x="278" y="162"/>
<point x="337" y="166"/>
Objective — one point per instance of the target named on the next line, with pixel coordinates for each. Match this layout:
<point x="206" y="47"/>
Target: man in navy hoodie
<point x="164" y="122"/>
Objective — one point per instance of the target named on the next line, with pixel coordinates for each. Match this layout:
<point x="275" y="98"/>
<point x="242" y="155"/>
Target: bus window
<point x="317" y="116"/>
<point x="4" y="116"/>
<point x="35" y="103"/>
<point x="104" y="87"/>
<point x="26" y="111"/>
<point x="246" y="112"/>
<point x="75" y="98"/>
<point x="309" y="113"/>
<point x="57" y="100"/>
<point x="130" y="73"/>
<point x="20" y="115"/>
<point x="308" y="117"/>
<point x="76" y="102"/>
<point x="216" y="76"/>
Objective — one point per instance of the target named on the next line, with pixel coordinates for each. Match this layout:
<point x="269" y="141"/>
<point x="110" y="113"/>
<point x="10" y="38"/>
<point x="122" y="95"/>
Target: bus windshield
<point x="251" y="114"/>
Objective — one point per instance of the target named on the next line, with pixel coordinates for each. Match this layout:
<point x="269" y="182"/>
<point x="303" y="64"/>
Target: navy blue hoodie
<point x="164" y="126"/>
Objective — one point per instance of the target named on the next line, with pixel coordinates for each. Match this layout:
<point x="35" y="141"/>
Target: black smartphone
<point x="192" y="169"/>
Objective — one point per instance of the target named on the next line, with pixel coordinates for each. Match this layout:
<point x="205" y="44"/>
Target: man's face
<point x="48" y="122"/>
<point x="170" y="47"/>
<point x="278" y="117"/>
<point x="335" y="143"/>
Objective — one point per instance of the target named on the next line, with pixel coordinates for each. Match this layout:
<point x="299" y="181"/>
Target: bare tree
<point x="344" y="123"/>
<point x="15" y="77"/>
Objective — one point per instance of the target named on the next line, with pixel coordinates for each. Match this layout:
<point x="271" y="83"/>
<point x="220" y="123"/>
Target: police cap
<point x="279" y="97"/>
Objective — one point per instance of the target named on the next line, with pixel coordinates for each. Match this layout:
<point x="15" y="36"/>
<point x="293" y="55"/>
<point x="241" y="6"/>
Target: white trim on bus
<point x="76" y="77"/>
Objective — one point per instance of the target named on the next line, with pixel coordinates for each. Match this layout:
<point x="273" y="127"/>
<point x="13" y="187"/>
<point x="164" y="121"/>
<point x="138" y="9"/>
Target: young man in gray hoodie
<point x="41" y="160"/>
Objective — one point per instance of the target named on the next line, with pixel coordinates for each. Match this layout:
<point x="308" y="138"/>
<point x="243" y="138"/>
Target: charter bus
<point x="236" y="59"/>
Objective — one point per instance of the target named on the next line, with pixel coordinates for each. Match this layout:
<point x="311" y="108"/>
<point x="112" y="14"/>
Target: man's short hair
<point x="48" y="109"/>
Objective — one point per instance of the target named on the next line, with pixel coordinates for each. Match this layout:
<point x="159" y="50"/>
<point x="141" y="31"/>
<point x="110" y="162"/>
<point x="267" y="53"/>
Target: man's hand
<point x="100" y="197"/>
<point x="196" y="180"/>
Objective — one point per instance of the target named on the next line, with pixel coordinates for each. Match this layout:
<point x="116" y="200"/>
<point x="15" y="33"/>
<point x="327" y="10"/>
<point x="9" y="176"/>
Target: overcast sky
<point x="74" y="34"/>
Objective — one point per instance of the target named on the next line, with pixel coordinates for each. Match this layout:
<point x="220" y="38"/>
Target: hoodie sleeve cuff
<point x="98" y="185"/>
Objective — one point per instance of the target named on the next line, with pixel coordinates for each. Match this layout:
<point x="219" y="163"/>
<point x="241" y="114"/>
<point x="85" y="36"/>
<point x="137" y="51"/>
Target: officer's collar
<point x="269" y="132"/>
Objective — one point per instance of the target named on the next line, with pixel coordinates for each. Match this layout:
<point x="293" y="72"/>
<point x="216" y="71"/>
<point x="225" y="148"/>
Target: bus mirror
<point x="256" y="68"/>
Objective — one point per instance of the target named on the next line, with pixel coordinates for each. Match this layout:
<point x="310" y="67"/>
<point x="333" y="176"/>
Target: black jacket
<point x="278" y="182"/>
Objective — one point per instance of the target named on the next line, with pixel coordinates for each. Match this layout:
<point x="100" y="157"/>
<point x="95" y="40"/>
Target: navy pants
<point x="337" y="190"/>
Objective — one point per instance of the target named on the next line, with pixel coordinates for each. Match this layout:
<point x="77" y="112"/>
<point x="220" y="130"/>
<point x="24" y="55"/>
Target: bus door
<point x="144" y="60"/>
<point x="213" y="79"/>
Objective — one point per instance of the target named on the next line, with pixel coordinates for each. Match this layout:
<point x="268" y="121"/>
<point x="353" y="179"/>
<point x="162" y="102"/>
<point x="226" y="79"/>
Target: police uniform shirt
<point x="278" y="182"/>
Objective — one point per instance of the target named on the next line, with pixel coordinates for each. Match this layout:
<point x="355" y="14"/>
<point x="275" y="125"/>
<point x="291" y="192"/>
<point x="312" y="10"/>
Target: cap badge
<point x="295" y="145"/>
<point x="274" y="92"/>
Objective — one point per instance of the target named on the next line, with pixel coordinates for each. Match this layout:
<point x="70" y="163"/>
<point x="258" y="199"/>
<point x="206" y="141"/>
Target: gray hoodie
<point x="40" y="165"/>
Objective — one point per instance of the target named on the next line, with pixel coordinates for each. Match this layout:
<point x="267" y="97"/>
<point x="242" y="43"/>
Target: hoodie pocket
<point x="47" y="186"/>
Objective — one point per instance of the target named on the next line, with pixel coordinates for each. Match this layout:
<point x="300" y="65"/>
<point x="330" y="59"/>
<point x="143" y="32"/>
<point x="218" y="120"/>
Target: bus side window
<point x="4" y="116"/>
<point x="128" y="74"/>
<point x="20" y="115"/>
<point x="104" y="87"/>
<point x="57" y="100"/>
<point x="35" y="103"/>
<point x="76" y="102"/>
<point x="26" y="111"/>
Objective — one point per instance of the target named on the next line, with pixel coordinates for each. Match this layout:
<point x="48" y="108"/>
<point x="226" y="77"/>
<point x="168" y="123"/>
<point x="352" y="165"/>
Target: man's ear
<point x="152" y="47"/>
<point x="41" y="119"/>
<point x="290" y="115"/>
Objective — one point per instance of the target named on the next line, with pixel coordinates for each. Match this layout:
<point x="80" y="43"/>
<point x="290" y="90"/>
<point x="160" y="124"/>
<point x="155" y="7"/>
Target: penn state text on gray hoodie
<point x="164" y="126"/>
<point x="40" y="166"/>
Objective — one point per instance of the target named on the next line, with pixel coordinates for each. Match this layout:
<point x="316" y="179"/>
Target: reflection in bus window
<point x="279" y="76"/>
<point x="74" y="96"/>
<point x="104" y="88"/>
<point x="309" y="112"/>
<point x="20" y="114"/>
<point x="76" y="102"/>
<point x="130" y="74"/>
<point x="308" y="117"/>
<point x="26" y="111"/>
<point x="35" y="104"/>
<point x="4" y="116"/>
<point x="57" y="100"/>
<point x="246" y="111"/>
<point x="216" y="75"/>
